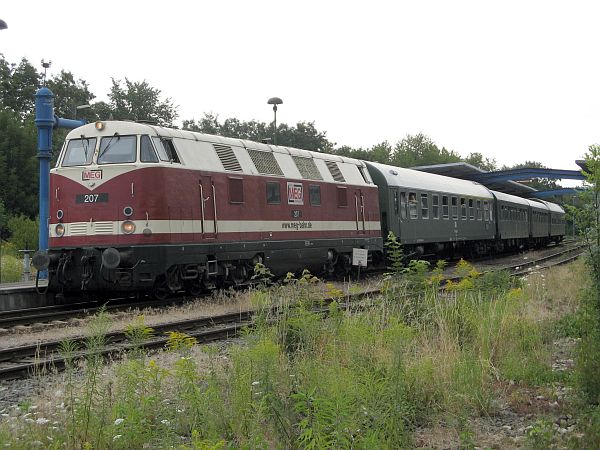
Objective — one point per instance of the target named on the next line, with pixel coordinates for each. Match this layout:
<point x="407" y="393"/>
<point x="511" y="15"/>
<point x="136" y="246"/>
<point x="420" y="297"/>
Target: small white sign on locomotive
<point x="295" y="194"/>
<point x="359" y="257"/>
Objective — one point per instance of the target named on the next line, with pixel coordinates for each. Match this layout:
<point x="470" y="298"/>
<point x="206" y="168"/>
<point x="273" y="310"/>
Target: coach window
<point x="236" y="190"/>
<point x="395" y="200"/>
<point x="412" y="205"/>
<point x="445" y="213"/>
<point x="471" y="210"/>
<point x="435" y="206"/>
<point x="454" y="208"/>
<point x="147" y="153"/>
<point x="273" y="193"/>
<point x="486" y="211"/>
<point x="314" y="191"/>
<point x="117" y="149"/>
<point x="342" y="197"/>
<point x="463" y="209"/>
<point x="403" y="205"/>
<point x="425" y="206"/>
<point x="79" y="152"/>
<point x="479" y="213"/>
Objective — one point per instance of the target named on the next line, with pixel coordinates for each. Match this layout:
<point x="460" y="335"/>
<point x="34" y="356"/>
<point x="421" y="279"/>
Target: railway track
<point x="43" y="357"/>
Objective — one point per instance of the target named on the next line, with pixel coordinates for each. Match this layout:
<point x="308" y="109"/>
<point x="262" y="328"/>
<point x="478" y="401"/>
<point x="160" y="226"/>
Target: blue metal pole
<point x="44" y="120"/>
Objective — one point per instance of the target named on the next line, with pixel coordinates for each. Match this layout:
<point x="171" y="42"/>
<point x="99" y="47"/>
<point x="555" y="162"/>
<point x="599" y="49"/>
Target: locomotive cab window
<point x="147" y="153"/>
<point x="166" y="150"/>
<point x="273" y="193"/>
<point x="79" y="152"/>
<point x="315" y="194"/>
<point x="117" y="150"/>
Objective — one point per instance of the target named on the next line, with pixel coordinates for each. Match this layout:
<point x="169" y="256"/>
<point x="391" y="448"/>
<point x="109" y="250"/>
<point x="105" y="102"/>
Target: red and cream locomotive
<point x="137" y="207"/>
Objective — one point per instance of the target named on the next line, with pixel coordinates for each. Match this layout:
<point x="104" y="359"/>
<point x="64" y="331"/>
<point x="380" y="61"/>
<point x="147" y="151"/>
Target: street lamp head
<point x="274" y="101"/>
<point x="3" y="25"/>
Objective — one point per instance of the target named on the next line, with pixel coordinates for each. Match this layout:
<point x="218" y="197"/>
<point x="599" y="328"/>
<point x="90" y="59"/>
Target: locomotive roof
<point x="191" y="158"/>
<point x="408" y="178"/>
<point x="126" y="127"/>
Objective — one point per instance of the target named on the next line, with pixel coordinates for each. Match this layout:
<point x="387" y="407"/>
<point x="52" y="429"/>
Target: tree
<point x="18" y="165"/>
<point x="18" y="84"/>
<point x="478" y="160"/>
<point x="23" y="232"/>
<point x="304" y="135"/>
<point x="378" y="153"/>
<point x="68" y="94"/>
<point x="420" y="150"/>
<point x="137" y="101"/>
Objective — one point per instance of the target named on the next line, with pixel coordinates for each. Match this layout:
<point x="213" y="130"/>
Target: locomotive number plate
<point x="91" y="198"/>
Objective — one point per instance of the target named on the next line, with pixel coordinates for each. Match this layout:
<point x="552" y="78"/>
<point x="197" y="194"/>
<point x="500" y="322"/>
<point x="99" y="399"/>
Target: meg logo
<point x="295" y="194"/>
<point x="87" y="175"/>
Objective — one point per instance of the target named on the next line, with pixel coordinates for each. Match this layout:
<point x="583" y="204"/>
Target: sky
<point x="513" y="80"/>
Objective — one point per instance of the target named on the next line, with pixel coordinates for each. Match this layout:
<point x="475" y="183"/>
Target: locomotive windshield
<point x="117" y="149"/>
<point x="79" y="152"/>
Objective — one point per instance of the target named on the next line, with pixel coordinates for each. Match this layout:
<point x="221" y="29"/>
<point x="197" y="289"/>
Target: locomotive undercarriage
<point x="164" y="269"/>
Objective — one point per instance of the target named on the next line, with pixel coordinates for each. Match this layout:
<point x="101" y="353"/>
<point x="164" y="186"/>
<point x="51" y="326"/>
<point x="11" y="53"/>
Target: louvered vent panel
<point x="228" y="158"/>
<point x="307" y="167"/>
<point x="78" y="228"/>
<point x="335" y="171"/>
<point x="103" y="227"/>
<point x="265" y="162"/>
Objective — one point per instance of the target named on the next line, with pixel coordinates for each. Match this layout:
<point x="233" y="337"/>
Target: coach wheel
<point x="161" y="289"/>
<point x="195" y="288"/>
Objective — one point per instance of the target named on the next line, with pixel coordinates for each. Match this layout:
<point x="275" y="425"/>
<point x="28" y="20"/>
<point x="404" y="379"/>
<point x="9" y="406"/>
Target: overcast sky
<point x="514" y="80"/>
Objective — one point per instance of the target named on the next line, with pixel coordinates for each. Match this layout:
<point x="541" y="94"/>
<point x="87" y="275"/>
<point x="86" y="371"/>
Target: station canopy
<point x="466" y="171"/>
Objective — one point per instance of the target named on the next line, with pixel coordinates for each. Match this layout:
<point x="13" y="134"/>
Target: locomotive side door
<point x="208" y="210"/>
<point x="359" y="204"/>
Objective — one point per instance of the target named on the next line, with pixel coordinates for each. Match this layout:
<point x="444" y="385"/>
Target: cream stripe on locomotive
<point x="223" y="226"/>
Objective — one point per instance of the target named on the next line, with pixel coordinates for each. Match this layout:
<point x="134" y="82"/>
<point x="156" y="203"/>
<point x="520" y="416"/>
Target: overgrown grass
<point x="11" y="264"/>
<point x="358" y="378"/>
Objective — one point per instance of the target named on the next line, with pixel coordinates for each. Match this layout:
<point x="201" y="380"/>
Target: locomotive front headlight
<point x="59" y="229"/>
<point x="128" y="227"/>
<point x="99" y="126"/>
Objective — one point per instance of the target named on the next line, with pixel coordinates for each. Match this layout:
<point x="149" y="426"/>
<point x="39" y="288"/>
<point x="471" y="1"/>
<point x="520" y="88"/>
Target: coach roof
<point x="413" y="179"/>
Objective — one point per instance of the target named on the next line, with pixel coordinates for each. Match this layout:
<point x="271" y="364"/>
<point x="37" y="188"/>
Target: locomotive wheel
<point x="161" y="289"/>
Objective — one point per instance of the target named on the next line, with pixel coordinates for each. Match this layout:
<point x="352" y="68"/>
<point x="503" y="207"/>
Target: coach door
<point x="208" y="208"/>
<point x="359" y="204"/>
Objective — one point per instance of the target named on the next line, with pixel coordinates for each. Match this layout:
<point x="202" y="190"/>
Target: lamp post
<point x="80" y="108"/>
<point x="275" y="101"/>
<point x="3" y="25"/>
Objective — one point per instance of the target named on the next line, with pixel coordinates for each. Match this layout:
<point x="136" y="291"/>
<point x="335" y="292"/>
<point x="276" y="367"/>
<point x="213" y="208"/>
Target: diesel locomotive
<point x="141" y="208"/>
